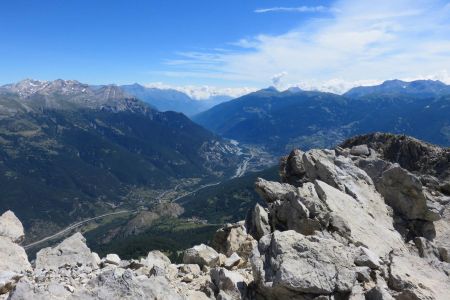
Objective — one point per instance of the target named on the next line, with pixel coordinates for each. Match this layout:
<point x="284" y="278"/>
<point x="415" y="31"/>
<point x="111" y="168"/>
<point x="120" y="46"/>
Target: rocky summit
<point x="369" y="219"/>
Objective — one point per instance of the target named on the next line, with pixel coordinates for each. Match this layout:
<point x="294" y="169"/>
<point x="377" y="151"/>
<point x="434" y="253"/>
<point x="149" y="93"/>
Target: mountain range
<point x="280" y="121"/>
<point x="173" y="100"/>
<point x="69" y="151"/>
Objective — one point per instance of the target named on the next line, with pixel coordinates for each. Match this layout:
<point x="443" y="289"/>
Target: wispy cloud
<point x="300" y="9"/>
<point x="358" y="42"/>
<point x="276" y="79"/>
<point x="204" y="92"/>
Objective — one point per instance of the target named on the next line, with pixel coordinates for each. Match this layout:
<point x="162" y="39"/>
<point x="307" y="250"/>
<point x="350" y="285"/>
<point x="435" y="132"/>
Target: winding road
<point x="196" y="190"/>
<point x="239" y="172"/>
<point x="73" y="226"/>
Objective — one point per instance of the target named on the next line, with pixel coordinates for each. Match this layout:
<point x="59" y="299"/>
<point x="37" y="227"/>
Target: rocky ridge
<point x="36" y="95"/>
<point x="349" y="223"/>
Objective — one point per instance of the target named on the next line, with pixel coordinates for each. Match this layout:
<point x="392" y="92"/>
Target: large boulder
<point x="231" y="285"/>
<point x="257" y="222"/>
<point x="299" y="209"/>
<point x="272" y="191"/>
<point x="360" y="150"/>
<point x="11" y="227"/>
<point x="112" y="259"/>
<point x="404" y="192"/>
<point x="233" y="238"/>
<point x="158" y="259"/>
<point x="72" y="251"/>
<point x="12" y="257"/>
<point x="202" y="255"/>
<point x="414" y="278"/>
<point x="289" y="263"/>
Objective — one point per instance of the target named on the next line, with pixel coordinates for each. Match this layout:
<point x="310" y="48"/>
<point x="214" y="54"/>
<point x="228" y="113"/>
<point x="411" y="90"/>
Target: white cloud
<point x="301" y="9"/>
<point x="204" y="92"/>
<point x="339" y="86"/>
<point x="276" y="79"/>
<point x="357" y="42"/>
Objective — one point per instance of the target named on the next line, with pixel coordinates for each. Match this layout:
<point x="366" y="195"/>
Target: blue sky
<point x="230" y="43"/>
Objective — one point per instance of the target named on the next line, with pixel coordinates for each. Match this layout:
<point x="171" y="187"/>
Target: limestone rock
<point x="365" y="257"/>
<point x="189" y="269"/>
<point x="12" y="257"/>
<point x="8" y="281"/>
<point x="288" y="262"/>
<point x="232" y="261"/>
<point x="234" y="238"/>
<point x="428" y="250"/>
<point x="113" y="259"/>
<point x="72" y="251"/>
<point x="408" y="152"/>
<point x="196" y="295"/>
<point x="257" y="222"/>
<point x="272" y="191"/>
<point x="363" y="274"/>
<point x="96" y="259"/>
<point x="230" y="283"/>
<point x="368" y="222"/>
<point x="11" y="227"/>
<point x="442" y="234"/>
<point x="414" y="278"/>
<point x="357" y="293"/>
<point x="360" y="150"/>
<point x="403" y="191"/>
<point x="157" y="258"/>
<point x="378" y="293"/>
<point x="187" y="278"/>
<point x="299" y="209"/>
<point x="295" y="166"/>
<point x="202" y="255"/>
<point x="319" y="164"/>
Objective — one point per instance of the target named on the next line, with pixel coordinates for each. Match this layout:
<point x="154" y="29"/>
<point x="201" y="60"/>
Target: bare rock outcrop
<point x="14" y="262"/>
<point x="72" y="251"/>
<point x="288" y="263"/>
<point x="11" y="227"/>
<point x="233" y="238"/>
<point x="389" y="215"/>
<point x="202" y="255"/>
<point x="258" y="220"/>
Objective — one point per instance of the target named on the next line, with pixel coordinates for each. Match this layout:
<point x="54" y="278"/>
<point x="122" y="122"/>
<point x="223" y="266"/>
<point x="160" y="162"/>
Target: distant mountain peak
<point x="294" y="89"/>
<point x="420" y="88"/>
<point x="28" y="87"/>
<point x="270" y="89"/>
<point x="72" y="94"/>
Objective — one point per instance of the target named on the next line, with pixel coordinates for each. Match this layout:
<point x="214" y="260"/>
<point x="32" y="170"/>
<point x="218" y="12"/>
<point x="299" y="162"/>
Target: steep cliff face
<point x="349" y="223"/>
